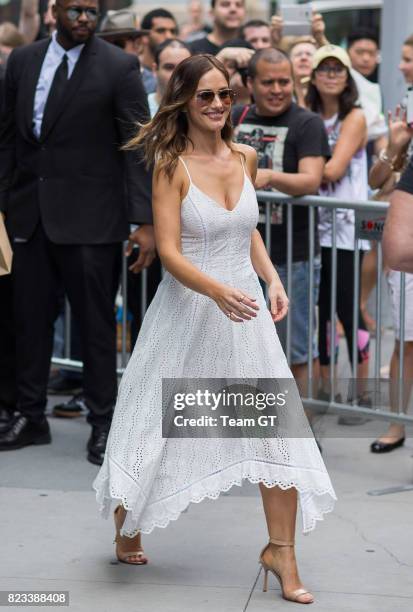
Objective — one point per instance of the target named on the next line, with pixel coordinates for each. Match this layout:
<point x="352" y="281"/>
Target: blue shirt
<point x="51" y="62"/>
<point x="149" y="80"/>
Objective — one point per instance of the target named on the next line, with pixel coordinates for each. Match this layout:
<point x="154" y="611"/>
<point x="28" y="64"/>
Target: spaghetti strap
<point x="186" y="168"/>
<point x="242" y="160"/>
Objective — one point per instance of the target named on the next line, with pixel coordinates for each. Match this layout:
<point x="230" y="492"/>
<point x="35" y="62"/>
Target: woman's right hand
<point x="235" y="304"/>
<point x="400" y="133"/>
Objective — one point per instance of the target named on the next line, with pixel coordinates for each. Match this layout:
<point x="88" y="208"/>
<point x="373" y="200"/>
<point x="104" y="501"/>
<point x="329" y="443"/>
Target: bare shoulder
<point x="178" y="183"/>
<point x="356" y="117"/>
<point x="249" y="152"/>
<point x="250" y="157"/>
<point x="355" y="127"/>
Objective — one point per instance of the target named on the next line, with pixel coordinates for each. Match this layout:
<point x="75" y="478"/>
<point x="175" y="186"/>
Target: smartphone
<point x="297" y="19"/>
<point x="409" y="106"/>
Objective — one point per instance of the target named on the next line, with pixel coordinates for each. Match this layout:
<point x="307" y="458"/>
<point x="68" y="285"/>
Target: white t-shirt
<point x="353" y="186"/>
<point x="371" y="102"/>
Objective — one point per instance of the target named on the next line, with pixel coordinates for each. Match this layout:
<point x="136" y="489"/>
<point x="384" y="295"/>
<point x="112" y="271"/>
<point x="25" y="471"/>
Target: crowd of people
<point x="113" y="132"/>
<point x="72" y="92"/>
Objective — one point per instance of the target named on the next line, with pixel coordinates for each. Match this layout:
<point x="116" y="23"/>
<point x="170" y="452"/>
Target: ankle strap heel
<point x="295" y="595"/>
<point x="280" y="542"/>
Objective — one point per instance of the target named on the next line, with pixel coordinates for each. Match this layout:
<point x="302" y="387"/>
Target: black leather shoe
<point x="6" y="419"/>
<point x="59" y="384"/>
<point x="75" y="407"/>
<point x="24" y="432"/>
<point x="96" y="445"/>
<point x="385" y="447"/>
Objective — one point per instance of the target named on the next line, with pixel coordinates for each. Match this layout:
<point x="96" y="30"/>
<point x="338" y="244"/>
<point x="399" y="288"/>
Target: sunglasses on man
<point x="74" y="12"/>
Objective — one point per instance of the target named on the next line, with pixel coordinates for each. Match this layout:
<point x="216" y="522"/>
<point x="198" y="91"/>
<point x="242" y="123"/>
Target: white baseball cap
<point x="334" y="51"/>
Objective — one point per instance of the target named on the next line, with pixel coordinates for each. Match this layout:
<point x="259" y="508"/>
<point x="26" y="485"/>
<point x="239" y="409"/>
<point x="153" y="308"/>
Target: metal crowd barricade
<point x="370" y="209"/>
<point x="373" y="208"/>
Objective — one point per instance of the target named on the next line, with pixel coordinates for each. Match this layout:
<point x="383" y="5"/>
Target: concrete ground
<point x="360" y="558"/>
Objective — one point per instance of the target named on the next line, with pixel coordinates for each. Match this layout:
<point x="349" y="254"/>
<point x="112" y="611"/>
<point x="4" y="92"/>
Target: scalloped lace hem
<point x="113" y="486"/>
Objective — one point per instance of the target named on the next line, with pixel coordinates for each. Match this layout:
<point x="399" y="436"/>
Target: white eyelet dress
<point x="185" y="335"/>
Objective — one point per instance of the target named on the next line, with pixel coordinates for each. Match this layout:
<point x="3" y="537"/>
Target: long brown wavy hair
<point x="165" y="137"/>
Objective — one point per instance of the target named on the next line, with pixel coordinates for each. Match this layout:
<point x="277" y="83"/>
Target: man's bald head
<point x="270" y="55"/>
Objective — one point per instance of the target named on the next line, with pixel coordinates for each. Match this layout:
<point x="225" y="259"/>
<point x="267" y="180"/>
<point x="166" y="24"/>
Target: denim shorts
<point x="299" y="309"/>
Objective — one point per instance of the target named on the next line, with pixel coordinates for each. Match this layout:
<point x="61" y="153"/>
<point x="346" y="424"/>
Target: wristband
<point x="383" y="157"/>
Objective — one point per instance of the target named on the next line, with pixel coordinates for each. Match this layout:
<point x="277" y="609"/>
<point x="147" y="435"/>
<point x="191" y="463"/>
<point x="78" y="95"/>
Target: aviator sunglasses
<point x="74" y="12"/>
<point x="207" y="96"/>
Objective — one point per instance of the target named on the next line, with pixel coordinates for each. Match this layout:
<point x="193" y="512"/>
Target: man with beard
<point x="68" y="194"/>
<point x="227" y="16"/>
<point x="162" y="26"/>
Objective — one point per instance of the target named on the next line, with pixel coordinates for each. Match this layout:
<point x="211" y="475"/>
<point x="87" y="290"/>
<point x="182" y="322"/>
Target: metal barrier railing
<point x="268" y="199"/>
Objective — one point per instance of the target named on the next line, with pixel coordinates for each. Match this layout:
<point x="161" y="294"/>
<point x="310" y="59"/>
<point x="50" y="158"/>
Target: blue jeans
<point x="299" y="309"/>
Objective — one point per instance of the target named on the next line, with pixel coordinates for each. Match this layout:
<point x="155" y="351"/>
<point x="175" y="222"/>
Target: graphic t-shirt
<point x="280" y="143"/>
<point x="352" y="186"/>
<point x="204" y="45"/>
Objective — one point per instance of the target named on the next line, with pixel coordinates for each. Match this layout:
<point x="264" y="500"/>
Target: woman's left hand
<point x="278" y="300"/>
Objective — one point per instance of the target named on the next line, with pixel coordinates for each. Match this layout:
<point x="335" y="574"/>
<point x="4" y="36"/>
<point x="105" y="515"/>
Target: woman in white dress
<point x="209" y="320"/>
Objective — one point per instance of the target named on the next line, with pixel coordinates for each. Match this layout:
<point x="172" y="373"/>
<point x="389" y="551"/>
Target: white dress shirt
<point x="153" y="104"/>
<point x="51" y="62"/>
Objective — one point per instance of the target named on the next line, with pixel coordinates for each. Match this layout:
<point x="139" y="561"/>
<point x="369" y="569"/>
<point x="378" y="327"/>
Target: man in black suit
<point x="7" y="343"/>
<point x="68" y="194"/>
<point x="7" y="354"/>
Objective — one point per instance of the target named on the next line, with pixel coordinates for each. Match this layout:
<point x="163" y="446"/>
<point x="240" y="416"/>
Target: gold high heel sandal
<point x="294" y="595"/>
<point x="136" y="542"/>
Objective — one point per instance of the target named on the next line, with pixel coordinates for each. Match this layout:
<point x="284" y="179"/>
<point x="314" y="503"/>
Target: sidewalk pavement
<point x="360" y="558"/>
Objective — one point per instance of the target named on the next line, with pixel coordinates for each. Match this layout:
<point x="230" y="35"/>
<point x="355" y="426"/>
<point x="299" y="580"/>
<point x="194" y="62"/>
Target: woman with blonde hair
<point x="208" y="320"/>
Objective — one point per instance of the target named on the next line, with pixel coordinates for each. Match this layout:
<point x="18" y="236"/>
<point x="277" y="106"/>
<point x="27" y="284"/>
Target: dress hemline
<point x="316" y="494"/>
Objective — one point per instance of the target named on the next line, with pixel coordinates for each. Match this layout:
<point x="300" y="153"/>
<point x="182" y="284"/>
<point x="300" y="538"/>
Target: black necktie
<point x="56" y="93"/>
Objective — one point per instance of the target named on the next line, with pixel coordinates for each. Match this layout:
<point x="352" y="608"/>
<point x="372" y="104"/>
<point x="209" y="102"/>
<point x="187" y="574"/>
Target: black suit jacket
<point x="75" y="178"/>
